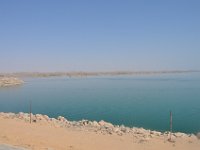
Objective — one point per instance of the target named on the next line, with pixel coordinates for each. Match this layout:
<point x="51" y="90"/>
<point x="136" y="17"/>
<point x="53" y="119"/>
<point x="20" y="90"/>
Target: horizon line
<point x="91" y="73"/>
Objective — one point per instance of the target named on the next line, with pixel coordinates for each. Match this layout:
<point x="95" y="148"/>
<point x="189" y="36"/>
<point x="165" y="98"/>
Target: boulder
<point x="116" y="129"/>
<point x="20" y="115"/>
<point x="11" y="115"/>
<point x="60" y="118"/>
<point x="46" y="117"/>
<point x="198" y="135"/>
<point x="26" y="117"/>
<point x="84" y="122"/>
<point x="192" y="136"/>
<point x="106" y="124"/>
<point x="123" y="129"/>
<point x="179" y="134"/>
<point x="156" y="133"/>
<point x="39" y="117"/>
<point x="95" y="124"/>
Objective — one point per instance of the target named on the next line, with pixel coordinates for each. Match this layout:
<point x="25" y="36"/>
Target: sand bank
<point x="62" y="134"/>
<point x="9" y="81"/>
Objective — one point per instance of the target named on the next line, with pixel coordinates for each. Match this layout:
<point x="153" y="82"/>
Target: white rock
<point x="46" y="117"/>
<point x="116" y="129"/>
<point x="105" y="124"/>
<point x="95" y="124"/>
<point x="60" y="118"/>
<point x="179" y="134"/>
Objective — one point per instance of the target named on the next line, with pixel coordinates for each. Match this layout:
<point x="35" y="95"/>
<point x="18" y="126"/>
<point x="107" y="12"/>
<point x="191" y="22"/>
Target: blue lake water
<point x="141" y="101"/>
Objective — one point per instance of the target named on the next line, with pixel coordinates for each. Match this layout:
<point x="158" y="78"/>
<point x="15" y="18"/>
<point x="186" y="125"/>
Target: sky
<point x="99" y="35"/>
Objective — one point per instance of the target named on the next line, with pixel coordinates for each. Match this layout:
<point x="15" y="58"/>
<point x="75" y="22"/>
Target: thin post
<point x="170" y="126"/>
<point x="30" y="112"/>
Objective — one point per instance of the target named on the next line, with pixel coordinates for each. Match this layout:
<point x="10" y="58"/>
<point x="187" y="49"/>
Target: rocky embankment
<point x="101" y="127"/>
<point x="9" y="81"/>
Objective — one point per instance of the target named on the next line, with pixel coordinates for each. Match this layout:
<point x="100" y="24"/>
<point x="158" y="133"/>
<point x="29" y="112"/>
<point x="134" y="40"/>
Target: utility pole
<point x="30" y="111"/>
<point x="170" y="138"/>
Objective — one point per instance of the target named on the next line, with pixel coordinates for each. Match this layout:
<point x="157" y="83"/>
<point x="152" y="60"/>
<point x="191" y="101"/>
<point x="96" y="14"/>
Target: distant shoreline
<point x="86" y="74"/>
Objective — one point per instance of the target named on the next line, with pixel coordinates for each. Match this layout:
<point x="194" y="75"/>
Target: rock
<point x="20" y="115"/>
<point x="33" y="118"/>
<point x="173" y="137"/>
<point x="198" y="135"/>
<point x="101" y="123"/>
<point x="84" y="122"/>
<point x="192" y="136"/>
<point x="8" y="115"/>
<point x="53" y="120"/>
<point x="2" y="113"/>
<point x="116" y="129"/>
<point x="105" y="124"/>
<point x="95" y="124"/>
<point x="179" y="134"/>
<point x="60" y="118"/>
<point x="110" y="131"/>
<point x="26" y="117"/>
<point x="46" y="117"/>
<point x="123" y="129"/>
<point x="152" y="135"/>
<point x="133" y="130"/>
<point x="156" y="133"/>
<point x="39" y="117"/>
<point x="11" y="115"/>
<point x="138" y="131"/>
<point x="75" y="123"/>
<point x="119" y="133"/>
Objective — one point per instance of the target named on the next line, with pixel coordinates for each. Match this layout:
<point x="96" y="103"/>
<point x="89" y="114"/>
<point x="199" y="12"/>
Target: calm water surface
<point x="141" y="101"/>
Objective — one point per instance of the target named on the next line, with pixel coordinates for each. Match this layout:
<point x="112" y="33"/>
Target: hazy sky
<point x="99" y="35"/>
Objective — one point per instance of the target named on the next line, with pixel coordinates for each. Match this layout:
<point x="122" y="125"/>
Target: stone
<point x="123" y="129"/>
<point x="156" y="133"/>
<point x="53" y="120"/>
<point x="178" y="134"/>
<point x="60" y="118"/>
<point x="12" y="115"/>
<point x="119" y="133"/>
<point x="192" y="136"/>
<point x="116" y="129"/>
<point x="198" y="135"/>
<point x="20" y="115"/>
<point x="106" y="124"/>
<point x="39" y="117"/>
<point x="46" y="117"/>
<point x="84" y="122"/>
<point x="138" y="131"/>
<point x="95" y="124"/>
<point x="101" y="123"/>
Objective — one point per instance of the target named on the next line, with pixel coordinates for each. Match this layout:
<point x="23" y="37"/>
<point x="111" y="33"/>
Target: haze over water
<point x="50" y="36"/>
<point x="141" y="101"/>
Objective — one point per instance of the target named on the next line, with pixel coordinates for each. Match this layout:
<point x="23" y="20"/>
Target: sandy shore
<point x="9" y="81"/>
<point x="46" y="133"/>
